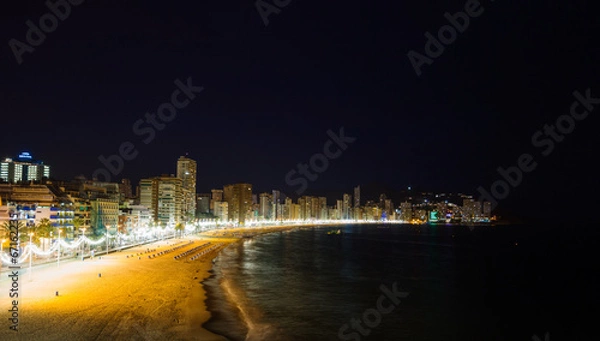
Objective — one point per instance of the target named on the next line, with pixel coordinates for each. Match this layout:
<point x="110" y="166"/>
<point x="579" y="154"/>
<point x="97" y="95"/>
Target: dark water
<point x="491" y="283"/>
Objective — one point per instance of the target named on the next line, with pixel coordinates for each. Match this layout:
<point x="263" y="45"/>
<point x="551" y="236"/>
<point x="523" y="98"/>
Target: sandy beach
<point x="115" y="297"/>
<point x="121" y="296"/>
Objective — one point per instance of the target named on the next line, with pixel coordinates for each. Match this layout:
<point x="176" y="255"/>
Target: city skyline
<point x="186" y="169"/>
<point x="253" y="101"/>
<point x="298" y="170"/>
<point x="169" y="200"/>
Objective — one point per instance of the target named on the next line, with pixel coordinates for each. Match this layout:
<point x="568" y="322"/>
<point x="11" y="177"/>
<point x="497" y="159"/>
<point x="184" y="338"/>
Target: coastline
<point x="123" y="295"/>
<point x="241" y="234"/>
<point x="116" y="297"/>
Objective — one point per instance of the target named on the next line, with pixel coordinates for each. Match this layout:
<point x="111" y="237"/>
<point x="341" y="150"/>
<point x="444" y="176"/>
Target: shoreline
<point x="124" y="295"/>
<point x="133" y="294"/>
<point x="248" y="233"/>
<point x="128" y="294"/>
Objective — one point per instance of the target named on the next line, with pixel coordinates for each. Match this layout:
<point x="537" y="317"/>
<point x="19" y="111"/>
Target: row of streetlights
<point x="31" y="234"/>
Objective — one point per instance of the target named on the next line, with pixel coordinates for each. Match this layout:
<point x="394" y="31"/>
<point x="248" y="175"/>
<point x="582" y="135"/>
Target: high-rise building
<point x="254" y="212"/>
<point x="265" y="207"/>
<point x="477" y="209"/>
<point x="170" y="201"/>
<point x="382" y="199"/>
<point x="294" y="212"/>
<point x="163" y="196"/>
<point x="323" y="213"/>
<point x="339" y="209"/>
<point x="221" y="211"/>
<point x="315" y="209"/>
<point x="125" y="190"/>
<point x="132" y="217"/>
<point x="347" y="207"/>
<point x="305" y="203"/>
<point x="332" y="213"/>
<point x="471" y="209"/>
<point x="23" y="169"/>
<point x="203" y="203"/>
<point x="377" y="213"/>
<point x="487" y="209"/>
<point x="406" y="211"/>
<point x="359" y="213"/>
<point x="387" y="207"/>
<point x="239" y="199"/>
<point x="104" y="214"/>
<point x="420" y="214"/>
<point x="287" y="209"/>
<point x="216" y="197"/>
<point x="357" y="197"/>
<point x="148" y="189"/>
<point x="186" y="171"/>
<point x="277" y="201"/>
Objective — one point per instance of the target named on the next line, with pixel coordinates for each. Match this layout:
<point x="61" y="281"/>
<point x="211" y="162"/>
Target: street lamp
<point x="58" y="258"/>
<point x="83" y="244"/>
<point x="107" y="240"/>
<point x="30" y="254"/>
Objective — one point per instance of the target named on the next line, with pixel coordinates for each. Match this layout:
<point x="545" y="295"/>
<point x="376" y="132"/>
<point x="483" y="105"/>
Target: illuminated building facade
<point x="265" y="208"/>
<point x="357" y="211"/>
<point x="406" y="211"/>
<point x="125" y="190"/>
<point x="104" y="214"/>
<point x="221" y="211"/>
<point x="163" y="196"/>
<point x="202" y="204"/>
<point x="216" y="197"/>
<point x="186" y="171"/>
<point x="347" y="207"/>
<point x="278" y="200"/>
<point x="239" y="199"/>
<point x="487" y="209"/>
<point x="323" y="213"/>
<point x="23" y="169"/>
<point x="471" y="210"/>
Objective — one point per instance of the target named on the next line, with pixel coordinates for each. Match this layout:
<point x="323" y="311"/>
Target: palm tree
<point x="5" y="230"/>
<point x="179" y="228"/>
<point x="43" y="229"/>
<point x="77" y="223"/>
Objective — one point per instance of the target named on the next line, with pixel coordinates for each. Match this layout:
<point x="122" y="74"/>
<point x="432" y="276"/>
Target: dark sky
<point x="272" y="92"/>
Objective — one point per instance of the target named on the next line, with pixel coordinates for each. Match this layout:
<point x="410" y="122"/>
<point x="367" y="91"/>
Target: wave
<point x="250" y="315"/>
<point x="230" y="305"/>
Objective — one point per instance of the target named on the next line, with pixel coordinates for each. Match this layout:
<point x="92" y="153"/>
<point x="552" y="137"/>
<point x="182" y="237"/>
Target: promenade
<point x="126" y="295"/>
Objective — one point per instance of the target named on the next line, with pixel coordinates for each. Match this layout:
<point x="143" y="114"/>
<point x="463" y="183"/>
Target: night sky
<point x="272" y="92"/>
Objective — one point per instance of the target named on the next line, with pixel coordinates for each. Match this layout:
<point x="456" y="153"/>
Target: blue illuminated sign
<point x="25" y="155"/>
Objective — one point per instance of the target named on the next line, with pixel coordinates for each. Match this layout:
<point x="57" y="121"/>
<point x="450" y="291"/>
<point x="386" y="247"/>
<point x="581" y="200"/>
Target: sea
<point x="408" y="282"/>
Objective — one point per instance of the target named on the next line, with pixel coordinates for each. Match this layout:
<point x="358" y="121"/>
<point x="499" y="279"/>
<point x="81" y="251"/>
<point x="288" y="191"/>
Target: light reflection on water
<point x="305" y="284"/>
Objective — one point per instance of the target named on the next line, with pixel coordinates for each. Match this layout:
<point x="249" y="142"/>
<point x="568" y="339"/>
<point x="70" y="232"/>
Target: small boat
<point x="334" y="232"/>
